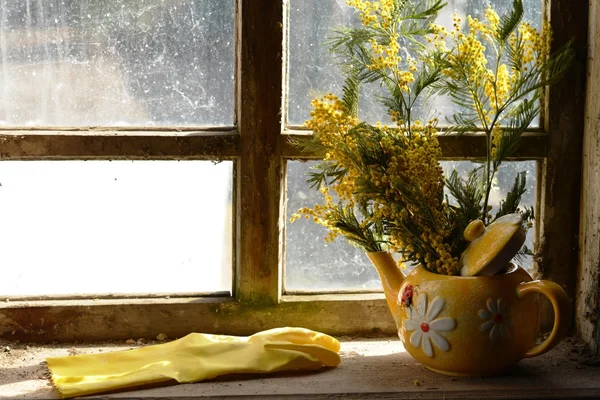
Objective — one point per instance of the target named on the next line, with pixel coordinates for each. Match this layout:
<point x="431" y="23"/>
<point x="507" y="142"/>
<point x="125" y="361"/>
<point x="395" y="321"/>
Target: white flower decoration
<point x="497" y="316"/>
<point x="424" y="327"/>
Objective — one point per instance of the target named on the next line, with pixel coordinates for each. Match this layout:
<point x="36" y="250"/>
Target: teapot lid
<point x="491" y="247"/>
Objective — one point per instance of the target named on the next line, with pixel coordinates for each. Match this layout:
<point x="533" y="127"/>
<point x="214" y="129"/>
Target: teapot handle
<point x="562" y="312"/>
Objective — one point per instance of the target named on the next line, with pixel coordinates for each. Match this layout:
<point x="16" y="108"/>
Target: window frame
<point x="259" y="146"/>
<point x="587" y="312"/>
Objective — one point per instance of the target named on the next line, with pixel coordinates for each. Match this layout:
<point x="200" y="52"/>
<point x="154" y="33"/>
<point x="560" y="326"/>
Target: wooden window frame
<point x="259" y="147"/>
<point x="587" y="312"/>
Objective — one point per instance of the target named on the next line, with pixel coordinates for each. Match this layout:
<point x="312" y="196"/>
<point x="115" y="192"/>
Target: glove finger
<point x="297" y="336"/>
<point x="326" y="356"/>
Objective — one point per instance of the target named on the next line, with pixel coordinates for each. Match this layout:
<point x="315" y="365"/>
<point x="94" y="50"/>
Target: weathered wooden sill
<point x="370" y="369"/>
<point x="93" y="321"/>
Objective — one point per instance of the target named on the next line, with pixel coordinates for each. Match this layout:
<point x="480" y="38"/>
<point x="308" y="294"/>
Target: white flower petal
<point x="422" y="307"/>
<point x="434" y="308"/>
<point x="410" y="325"/>
<point x="504" y="332"/>
<point x="415" y="338"/>
<point x="495" y="332"/>
<point x="443" y="324"/>
<point x="427" y="349"/>
<point x="439" y="341"/>
<point x="486" y="325"/>
<point x="500" y="305"/>
<point x="484" y="314"/>
<point x="491" y="305"/>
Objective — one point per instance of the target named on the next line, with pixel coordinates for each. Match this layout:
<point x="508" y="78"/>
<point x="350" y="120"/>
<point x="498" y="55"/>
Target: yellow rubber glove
<point x="193" y="358"/>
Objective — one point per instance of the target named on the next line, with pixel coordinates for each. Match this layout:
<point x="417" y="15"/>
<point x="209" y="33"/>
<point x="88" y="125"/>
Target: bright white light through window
<point x="95" y="227"/>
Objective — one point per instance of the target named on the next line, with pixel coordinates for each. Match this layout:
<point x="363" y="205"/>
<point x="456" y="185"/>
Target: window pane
<point x="93" y="227"/>
<point x="503" y="182"/>
<point x="312" y="70"/>
<point x="310" y="263"/>
<point x="313" y="265"/>
<point x="116" y="62"/>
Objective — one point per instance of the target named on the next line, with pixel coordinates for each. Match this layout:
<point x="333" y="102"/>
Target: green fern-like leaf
<point x="428" y="78"/>
<point x="523" y="253"/>
<point x="514" y="52"/>
<point x="509" y="21"/>
<point x="308" y="145"/>
<point x="346" y="40"/>
<point x="395" y="102"/>
<point x="542" y="75"/>
<point x="528" y="214"/>
<point x="464" y="122"/>
<point x="513" y="197"/>
<point x="416" y="18"/>
<point x="422" y="10"/>
<point x="558" y="63"/>
<point x="325" y="173"/>
<point x="468" y="193"/>
<point x="521" y="117"/>
<point x="351" y="91"/>
<point x="367" y="237"/>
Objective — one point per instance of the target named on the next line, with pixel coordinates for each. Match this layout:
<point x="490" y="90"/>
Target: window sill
<point x="374" y="368"/>
<point x="93" y="321"/>
<point x="371" y="368"/>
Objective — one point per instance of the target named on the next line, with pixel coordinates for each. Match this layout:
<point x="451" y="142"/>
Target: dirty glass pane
<point x="313" y="265"/>
<point x="312" y="70"/>
<point x="310" y="263"/>
<point x="97" y="227"/>
<point x="503" y="182"/>
<point x="116" y="62"/>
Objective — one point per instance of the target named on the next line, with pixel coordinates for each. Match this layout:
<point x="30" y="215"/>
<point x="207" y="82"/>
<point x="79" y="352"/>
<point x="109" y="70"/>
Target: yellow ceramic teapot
<point x="470" y="326"/>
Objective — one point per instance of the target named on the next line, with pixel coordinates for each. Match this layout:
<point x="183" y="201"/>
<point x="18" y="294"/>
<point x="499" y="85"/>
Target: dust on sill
<point x="377" y="368"/>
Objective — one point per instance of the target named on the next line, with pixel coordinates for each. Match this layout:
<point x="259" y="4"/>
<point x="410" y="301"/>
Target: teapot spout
<point x="391" y="278"/>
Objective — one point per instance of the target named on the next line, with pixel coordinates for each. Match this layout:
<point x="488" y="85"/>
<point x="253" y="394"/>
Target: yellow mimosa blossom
<point x="409" y="182"/>
<point x="492" y="18"/>
<point x="374" y="14"/>
<point x="385" y="50"/>
<point x="382" y="186"/>
<point x="496" y="138"/>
